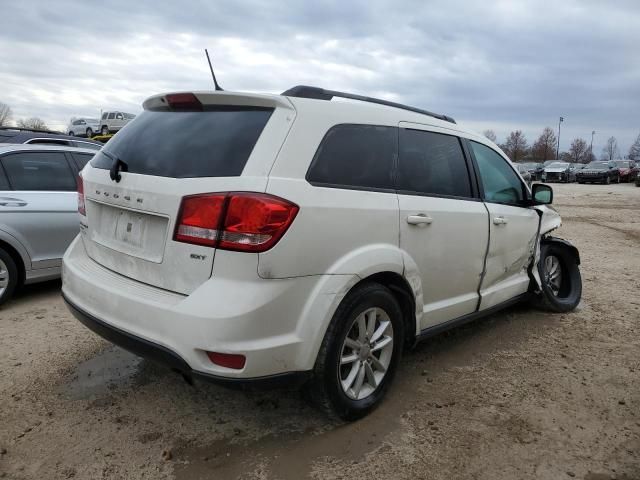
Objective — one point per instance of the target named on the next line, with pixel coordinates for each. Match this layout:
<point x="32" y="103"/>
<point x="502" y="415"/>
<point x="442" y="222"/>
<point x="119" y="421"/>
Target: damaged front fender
<point x="549" y="220"/>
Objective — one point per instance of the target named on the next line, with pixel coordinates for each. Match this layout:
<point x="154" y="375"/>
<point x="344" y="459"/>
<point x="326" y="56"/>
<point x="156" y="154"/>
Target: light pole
<point x="591" y="147"/>
<point x="558" y="148"/>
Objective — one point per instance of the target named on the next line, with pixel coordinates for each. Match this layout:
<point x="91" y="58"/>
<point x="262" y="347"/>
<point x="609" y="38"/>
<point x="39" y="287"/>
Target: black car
<point x="23" y="135"/>
<point x="599" y="172"/>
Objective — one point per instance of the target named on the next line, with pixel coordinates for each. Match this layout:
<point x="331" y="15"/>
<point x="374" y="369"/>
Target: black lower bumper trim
<point x="160" y="354"/>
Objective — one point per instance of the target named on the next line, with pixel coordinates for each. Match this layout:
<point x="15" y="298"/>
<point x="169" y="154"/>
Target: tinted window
<point x="432" y="163"/>
<point x="119" y="116"/>
<point x="81" y="159"/>
<point x="501" y="184"/>
<point x="39" y="171"/>
<point x="4" y="184"/>
<point x="104" y="115"/>
<point x="112" y="116"/>
<point x="213" y="143"/>
<point x="357" y="156"/>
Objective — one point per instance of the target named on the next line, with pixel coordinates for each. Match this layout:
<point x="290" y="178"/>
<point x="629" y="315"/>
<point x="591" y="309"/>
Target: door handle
<point x="12" y="202"/>
<point x="500" y="221"/>
<point x="419" y="219"/>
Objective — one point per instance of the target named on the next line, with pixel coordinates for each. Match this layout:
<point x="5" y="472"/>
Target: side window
<point x="39" y="171"/>
<point x="112" y="116"/>
<point x="500" y="182"/>
<point x="104" y="116"/>
<point x="119" y="116"/>
<point x="356" y="156"/>
<point x="81" y="159"/>
<point x="4" y="183"/>
<point x="432" y="163"/>
<point x="76" y="122"/>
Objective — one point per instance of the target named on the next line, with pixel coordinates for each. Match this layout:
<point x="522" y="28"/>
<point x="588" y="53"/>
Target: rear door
<point x="443" y="223"/>
<point x="165" y="156"/>
<point x="513" y="227"/>
<point x="40" y="207"/>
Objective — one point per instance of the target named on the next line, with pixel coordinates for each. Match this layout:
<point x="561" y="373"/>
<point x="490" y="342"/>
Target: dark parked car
<point x="628" y="170"/>
<point x="599" y="172"/>
<point x="46" y="137"/>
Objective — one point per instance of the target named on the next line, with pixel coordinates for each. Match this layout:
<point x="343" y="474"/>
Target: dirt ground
<point x="522" y="394"/>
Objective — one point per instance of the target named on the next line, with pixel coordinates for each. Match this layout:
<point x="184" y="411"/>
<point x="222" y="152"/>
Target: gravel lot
<point x="523" y="394"/>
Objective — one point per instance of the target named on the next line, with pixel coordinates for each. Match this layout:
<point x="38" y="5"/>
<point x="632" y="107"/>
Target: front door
<point x="513" y="228"/>
<point x="443" y="225"/>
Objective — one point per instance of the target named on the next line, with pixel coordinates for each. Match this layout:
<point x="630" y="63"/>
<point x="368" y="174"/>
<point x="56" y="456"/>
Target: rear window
<point x="359" y="156"/>
<point x="214" y="143"/>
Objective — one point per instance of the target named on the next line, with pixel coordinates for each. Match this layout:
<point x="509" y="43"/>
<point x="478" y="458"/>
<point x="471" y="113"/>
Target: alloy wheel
<point x="366" y="353"/>
<point x="4" y="277"/>
<point x="553" y="274"/>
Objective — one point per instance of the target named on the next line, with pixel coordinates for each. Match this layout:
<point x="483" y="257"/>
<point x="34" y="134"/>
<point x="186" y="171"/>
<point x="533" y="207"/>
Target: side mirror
<point x="542" y="194"/>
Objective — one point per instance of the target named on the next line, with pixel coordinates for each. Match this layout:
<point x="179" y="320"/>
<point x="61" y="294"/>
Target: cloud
<point x="502" y="65"/>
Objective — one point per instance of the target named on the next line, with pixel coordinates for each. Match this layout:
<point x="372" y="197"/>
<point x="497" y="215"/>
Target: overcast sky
<point x="502" y="65"/>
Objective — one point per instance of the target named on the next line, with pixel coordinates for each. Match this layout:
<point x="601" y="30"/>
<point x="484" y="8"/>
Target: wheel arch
<point x="17" y="258"/>
<point x="403" y="294"/>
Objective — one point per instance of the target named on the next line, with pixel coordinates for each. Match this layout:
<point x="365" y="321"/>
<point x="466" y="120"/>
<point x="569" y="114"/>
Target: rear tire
<point x="338" y="361"/>
<point x="89" y="133"/>
<point x="561" y="287"/>
<point x="8" y="276"/>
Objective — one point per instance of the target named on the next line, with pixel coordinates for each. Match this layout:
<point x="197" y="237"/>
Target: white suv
<point x="262" y="238"/>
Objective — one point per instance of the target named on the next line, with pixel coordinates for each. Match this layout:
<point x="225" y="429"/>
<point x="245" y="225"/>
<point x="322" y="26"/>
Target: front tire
<point x="8" y="276"/>
<point x="104" y="130"/>
<point x="561" y="280"/>
<point x="359" y="354"/>
<point x="89" y="133"/>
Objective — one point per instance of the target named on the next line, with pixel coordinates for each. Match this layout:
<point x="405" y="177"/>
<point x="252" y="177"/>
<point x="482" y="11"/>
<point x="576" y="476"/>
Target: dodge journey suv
<point x="305" y="237"/>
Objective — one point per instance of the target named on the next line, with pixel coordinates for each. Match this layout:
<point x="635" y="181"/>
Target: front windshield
<point x="558" y="165"/>
<point x="598" y="166"/>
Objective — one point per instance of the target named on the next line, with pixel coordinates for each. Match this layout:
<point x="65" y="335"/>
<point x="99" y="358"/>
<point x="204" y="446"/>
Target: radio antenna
<point x="213" y="75"/>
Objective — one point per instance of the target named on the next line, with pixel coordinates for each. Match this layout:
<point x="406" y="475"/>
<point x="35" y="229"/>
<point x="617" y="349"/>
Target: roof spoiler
<point x="316" y="93"/>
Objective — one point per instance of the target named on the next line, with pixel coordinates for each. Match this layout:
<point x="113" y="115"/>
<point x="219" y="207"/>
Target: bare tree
<point x="610" y="150"/>
<point x="515" y="146"/>
<point x="579" y="150"/>
<point x="5" y="114"/>
<point x="33" y="122"/>
<point x="544" y="148"/>
<point x="491" y="135"/>
<point x="634" y="151"/>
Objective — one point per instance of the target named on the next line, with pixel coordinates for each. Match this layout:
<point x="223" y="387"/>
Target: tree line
<point x="544" y="148"/>
<point x="6" y="114"/>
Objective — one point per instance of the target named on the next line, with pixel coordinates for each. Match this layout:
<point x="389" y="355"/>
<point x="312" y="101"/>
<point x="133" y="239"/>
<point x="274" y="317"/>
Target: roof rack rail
<point x="316" y="93"/>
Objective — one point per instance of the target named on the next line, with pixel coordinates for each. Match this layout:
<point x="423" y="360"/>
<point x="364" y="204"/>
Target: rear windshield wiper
<point x="117" y="166"/>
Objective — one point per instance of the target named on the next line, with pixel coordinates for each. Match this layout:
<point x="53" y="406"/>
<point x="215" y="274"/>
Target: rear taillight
<point x="81" y="209"/>
<point x="241" y="221"/>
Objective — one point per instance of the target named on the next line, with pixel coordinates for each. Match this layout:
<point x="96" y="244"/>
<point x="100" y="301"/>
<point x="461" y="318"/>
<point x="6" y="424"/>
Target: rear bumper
<point x="277" y="325"/>
<point x="164" y="356"/>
